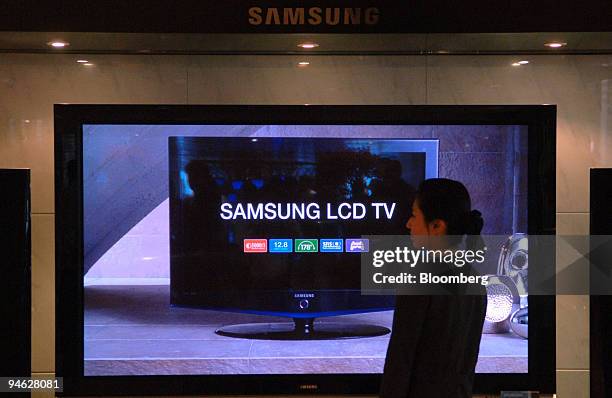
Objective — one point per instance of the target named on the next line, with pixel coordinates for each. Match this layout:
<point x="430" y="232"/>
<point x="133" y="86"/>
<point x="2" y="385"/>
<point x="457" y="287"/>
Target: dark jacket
<point x="434" y="346"/>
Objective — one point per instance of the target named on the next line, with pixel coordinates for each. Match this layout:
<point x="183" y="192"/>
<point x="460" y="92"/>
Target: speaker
<point x="15" y="282"/>
<point x="600" y="305"/>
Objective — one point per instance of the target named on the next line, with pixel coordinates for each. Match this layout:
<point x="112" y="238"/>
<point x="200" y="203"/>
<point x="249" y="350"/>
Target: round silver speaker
<point x="514" y="261"/>
<point x="502" y="300"/>
<point x="519" y="322"/>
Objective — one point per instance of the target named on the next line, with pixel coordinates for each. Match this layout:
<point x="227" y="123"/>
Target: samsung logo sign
<point x="313" y="16"/>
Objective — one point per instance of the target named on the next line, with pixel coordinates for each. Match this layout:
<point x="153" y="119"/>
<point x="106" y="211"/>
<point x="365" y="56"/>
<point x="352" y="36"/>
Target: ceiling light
<point x="308" y="45"/>
<point x="88" y="64"/>
<point x="303" y="63"/>
<point x="520" y="63"/>
<point x="555" y="44"/>
<point x="82" y="61"/>
<point x="58" y="44"/>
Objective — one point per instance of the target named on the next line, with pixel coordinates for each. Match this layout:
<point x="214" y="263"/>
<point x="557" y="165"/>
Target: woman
<point x="435" y="340"/>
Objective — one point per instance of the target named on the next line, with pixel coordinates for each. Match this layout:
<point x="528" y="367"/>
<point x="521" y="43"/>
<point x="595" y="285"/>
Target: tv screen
<point x="222" y="244"/>
<point x="299" y="199"/>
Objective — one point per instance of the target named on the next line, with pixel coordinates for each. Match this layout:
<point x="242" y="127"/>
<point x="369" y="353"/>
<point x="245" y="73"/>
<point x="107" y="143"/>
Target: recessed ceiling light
<point x="82" y="61"/>
<point x="555" y="44"/>
<point x="88" y="64"/>
<point x="58" y="44"/>
<point x="522" y="62"/>
<point x="308" y="45"/>
<point x="303" y="63"/>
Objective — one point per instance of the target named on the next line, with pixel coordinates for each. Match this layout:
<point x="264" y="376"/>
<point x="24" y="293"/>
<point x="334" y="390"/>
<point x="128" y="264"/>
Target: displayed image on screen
<point x="235" y="249"/>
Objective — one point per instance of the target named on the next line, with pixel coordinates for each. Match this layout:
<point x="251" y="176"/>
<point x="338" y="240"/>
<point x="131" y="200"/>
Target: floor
<point x="132" y="330"/>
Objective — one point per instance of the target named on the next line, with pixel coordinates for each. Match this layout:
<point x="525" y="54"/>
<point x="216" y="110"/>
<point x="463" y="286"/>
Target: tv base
<point x="301" y="329"/>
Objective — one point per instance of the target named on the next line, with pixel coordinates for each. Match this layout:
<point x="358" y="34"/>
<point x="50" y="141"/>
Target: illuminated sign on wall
<point x="313" y="16"/>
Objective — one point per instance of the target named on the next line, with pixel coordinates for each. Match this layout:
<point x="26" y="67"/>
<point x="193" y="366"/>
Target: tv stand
<point x="301" y="329"/>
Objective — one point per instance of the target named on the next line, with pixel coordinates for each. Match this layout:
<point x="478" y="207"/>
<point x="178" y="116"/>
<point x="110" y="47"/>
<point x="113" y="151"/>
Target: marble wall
<point x="579" y="84"/>
<point x="487" y="162"/>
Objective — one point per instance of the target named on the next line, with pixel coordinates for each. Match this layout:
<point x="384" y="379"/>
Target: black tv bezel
<point x="69" y="119"/>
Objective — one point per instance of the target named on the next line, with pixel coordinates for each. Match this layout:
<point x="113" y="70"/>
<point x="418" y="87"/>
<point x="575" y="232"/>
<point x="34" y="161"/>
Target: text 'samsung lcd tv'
<point x="216" y="249"/>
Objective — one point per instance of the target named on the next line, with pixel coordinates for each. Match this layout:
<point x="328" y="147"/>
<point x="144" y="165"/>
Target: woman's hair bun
<point x="474" y="223"/>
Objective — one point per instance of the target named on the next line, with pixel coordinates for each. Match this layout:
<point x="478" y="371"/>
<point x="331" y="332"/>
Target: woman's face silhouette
<point x="416" y="223"/>
<point x="420" y="229"/>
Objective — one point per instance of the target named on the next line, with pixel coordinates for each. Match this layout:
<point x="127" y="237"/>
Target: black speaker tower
<point x="601" y="305"/>
<point x="15" y="283"/>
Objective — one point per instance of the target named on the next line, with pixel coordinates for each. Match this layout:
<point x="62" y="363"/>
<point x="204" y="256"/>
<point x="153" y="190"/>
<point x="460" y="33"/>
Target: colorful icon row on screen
<point x="306" y="245"/>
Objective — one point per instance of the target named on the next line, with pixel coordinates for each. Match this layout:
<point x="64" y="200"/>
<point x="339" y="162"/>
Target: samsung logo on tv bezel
<point x="308" y="386"/>
<point x="303" y="295"/>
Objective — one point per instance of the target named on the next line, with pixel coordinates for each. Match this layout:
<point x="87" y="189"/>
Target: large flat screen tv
<point x="225" y="191"/>
<point x="216" y="249"/>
